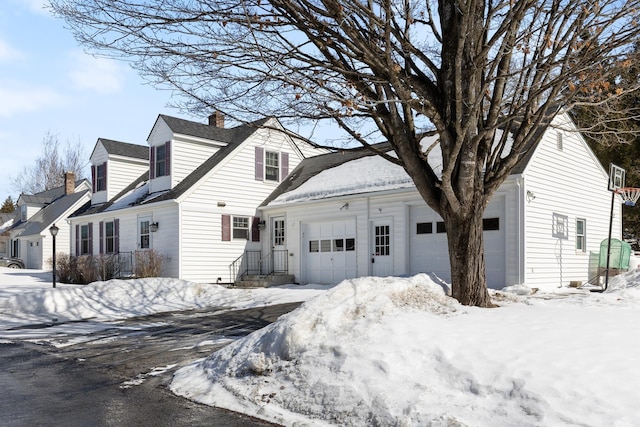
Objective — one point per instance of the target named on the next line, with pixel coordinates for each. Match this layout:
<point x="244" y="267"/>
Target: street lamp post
<point x="54" y="232"/>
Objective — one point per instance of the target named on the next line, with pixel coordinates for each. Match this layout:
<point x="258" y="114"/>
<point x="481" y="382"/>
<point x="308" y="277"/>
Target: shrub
<point x="66" y="271"/>
<point x="148" y="263"/>
<point x="107" y="266"/>
<point x="87" y="269"/>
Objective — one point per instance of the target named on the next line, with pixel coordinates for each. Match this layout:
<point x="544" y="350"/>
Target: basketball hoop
<point x="630" y="195"/>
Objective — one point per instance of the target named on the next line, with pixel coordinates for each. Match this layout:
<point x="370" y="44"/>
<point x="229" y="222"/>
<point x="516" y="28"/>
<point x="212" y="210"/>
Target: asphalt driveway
<point x="119" y="376"/>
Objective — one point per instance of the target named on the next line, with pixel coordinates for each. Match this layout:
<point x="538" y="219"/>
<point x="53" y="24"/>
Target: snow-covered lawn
<point x="390" y="351"/>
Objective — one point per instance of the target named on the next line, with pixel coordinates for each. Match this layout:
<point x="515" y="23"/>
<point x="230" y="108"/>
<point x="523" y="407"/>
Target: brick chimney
<point x="216" y="119"/>
<point x="69" y="183"/>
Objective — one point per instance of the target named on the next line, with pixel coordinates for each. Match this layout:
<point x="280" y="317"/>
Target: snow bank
<point x="117" y="299"/>
<point x="340" y="357"/>
<point x="399" y="352"/>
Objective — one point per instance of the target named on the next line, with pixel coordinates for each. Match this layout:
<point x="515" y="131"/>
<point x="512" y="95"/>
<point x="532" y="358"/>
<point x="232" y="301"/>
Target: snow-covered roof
<point x="363" y="175"/>
<point x="358" y="171"/>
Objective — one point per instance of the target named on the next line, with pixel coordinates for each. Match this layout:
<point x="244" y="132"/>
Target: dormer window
<point x="101" y="177"/>
<point x="160" y="160"/>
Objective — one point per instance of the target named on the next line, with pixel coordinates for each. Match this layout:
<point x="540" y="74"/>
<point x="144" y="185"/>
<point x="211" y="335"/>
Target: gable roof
<point x="201" y="130"/>
<point x="137" y="193"/>
<point x="125" y="149"/>
<point x="46" y="216"/>
<point x="47" y="196"/>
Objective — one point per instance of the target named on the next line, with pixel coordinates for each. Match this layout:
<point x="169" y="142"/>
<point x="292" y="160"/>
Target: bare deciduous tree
<point x="48" y="170"/>
<point x="387" y="70"/>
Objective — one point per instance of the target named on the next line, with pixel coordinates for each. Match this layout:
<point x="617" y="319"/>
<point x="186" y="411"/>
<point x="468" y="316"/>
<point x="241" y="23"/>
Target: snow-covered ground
<point x="391" y="351"/>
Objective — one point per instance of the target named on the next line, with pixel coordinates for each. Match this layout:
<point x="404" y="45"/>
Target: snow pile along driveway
<point x="119" y="299"/>
<point x="398" y="351"/>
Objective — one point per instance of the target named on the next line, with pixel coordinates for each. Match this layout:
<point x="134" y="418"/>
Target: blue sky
<point x="49" y="85"/>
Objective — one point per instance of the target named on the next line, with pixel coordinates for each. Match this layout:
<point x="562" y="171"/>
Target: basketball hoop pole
<point x="606" y="271"/>
<point x="616" y="180"/>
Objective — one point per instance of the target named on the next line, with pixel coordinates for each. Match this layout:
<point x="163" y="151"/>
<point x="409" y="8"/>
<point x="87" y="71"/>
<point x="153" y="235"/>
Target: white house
<point x="30" y="238"/>
<point x="192" y="199"/>
<point x="344" y="215"/>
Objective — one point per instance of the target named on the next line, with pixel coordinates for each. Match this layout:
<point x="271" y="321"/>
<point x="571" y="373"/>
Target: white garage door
<point x="329" y="250"/>
<point x="428" y="243"/>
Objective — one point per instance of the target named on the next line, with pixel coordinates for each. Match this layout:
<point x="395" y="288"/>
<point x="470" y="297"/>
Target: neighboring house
<point x="193" y="201"/>
<point x="30" y="238"/>
<point x="6" y="222"/>
<point x="345" y="215"/>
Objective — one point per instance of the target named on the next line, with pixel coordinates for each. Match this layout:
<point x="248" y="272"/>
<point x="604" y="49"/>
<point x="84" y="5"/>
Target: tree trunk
<point x="466" y="257"/>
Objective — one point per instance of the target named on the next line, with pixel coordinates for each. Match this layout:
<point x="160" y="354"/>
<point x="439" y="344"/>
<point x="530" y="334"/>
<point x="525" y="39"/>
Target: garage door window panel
<point x="424" y="228"/>
<point x="325" y="245"/>
<point x="491" y="224"/>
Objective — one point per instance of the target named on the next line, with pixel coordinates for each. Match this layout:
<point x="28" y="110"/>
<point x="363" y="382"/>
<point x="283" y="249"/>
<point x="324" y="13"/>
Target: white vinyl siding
<point x="568" y="183"/>
<point x="121" y="172"/>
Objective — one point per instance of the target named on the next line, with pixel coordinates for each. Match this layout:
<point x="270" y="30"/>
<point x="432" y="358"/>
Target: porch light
<point x="262" y="225"/>
<point x="153" y="227"/>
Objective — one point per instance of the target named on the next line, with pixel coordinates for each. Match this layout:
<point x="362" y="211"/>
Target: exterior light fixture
<point x="54" y="232"/>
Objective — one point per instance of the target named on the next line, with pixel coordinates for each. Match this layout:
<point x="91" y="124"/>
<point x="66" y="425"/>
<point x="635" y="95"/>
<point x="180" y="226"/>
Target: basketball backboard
<point x="616" y="177"/>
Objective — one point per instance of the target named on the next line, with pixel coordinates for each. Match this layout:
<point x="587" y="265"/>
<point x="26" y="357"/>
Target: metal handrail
<point x="252" y="262"/>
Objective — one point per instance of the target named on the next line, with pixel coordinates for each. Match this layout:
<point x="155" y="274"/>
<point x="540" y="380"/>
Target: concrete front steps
<point x="258" y="281"/>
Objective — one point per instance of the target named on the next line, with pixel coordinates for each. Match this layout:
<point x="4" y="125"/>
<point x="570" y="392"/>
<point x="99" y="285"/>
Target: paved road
<point x="119" y="376"/>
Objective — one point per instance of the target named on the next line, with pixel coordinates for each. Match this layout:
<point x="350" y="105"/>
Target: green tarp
<point x="620" y="254"/>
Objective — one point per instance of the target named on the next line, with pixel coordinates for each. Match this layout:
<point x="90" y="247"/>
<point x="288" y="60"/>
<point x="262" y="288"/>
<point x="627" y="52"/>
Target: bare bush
<point x="66" y="270"/>
<point x="87" y="269"/>
<point x="108" y="266"/>
<point x="148" y="263"/>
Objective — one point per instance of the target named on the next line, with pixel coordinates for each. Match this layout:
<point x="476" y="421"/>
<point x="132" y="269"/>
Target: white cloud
<point x="8" y="53"/>
<point x="101" y="75"/>
<point x="17" y="98"/>
<point x="38" y="6"/>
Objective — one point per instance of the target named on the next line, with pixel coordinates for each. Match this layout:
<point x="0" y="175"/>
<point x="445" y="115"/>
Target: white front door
<point x="382" y="251"/>
<point x="279" y="245"/>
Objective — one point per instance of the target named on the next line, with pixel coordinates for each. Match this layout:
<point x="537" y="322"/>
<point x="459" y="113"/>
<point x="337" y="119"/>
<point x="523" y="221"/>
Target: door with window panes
<point x="382" y="250"/>
<point x="144" y="232"/>
<point x="279" y="245"/>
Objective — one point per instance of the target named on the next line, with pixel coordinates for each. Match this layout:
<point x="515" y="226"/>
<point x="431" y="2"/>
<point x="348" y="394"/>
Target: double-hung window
<point x="271" y="166"/>
<point x="101" y="177"/>
<point x="581" y="235"/>
<point x="109" y="237"/>
<point x="241" y="227"/>
<point x="84" y="239"/>
<point x="161" y="160"/>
